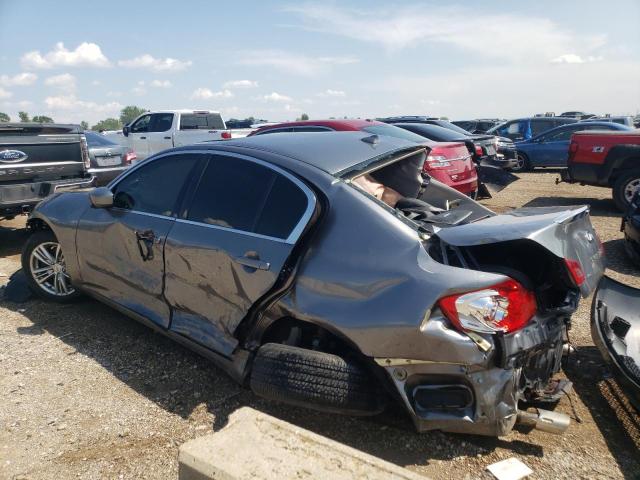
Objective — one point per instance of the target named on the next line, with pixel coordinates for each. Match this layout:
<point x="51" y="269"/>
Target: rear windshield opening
<point x="196" y="121"/>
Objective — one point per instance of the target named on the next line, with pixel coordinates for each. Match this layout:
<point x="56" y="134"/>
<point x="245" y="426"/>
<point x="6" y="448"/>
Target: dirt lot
<point x="88" y="393"/>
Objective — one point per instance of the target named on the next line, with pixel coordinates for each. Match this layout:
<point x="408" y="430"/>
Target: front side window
<point x="142" y="124"/>
<point x="161" y="122"/>
<point x="247" y="196"/>
<point x="155" y="187"/>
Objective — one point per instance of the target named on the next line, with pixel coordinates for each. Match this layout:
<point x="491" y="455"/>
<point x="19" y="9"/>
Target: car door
<point x="138" y="135"/>
<point x="553" y="148"/>
<point x="120" y="249"/>
<point x="230" y="245"/>
<point x="160" y="134"/>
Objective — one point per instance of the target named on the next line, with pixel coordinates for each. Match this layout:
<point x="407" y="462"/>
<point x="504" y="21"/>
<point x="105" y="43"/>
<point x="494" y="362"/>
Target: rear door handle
<point x="254" y="263"/>
<point x="167" y="138"/>
<point x="143" y="138"/>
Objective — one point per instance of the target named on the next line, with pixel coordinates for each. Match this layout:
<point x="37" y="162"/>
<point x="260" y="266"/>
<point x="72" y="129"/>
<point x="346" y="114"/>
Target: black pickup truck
<point x="37" y="160"/>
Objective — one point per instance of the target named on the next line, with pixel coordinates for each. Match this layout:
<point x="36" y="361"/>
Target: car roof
<point x="332" y="152"/>
<point x="353" y="124"/>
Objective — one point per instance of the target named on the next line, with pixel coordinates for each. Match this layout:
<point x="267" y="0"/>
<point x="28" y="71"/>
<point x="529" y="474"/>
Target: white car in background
<point x="153" y="132"/>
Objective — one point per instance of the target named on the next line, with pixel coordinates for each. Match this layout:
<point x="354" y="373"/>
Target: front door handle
<point x="254" y="263"/>
<point x="143" y="138"/>
<point x="145" y="240"/>
<point x="167" y="138"/>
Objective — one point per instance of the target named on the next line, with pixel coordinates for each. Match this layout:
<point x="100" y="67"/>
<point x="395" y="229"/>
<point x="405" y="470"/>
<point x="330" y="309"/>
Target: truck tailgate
<point x="42" y="157"/>
<point x="564" y="231"/>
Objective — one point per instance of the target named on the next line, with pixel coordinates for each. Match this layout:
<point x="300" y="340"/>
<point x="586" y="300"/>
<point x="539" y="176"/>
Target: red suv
<point x="447" y="162"/>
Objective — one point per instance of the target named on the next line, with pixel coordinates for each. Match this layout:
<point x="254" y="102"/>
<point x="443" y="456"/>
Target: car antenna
<point x="372" y="139"/>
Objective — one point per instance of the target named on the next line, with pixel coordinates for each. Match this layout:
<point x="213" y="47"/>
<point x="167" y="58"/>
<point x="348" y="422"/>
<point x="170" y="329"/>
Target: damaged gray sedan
<point x="267" y="256"/>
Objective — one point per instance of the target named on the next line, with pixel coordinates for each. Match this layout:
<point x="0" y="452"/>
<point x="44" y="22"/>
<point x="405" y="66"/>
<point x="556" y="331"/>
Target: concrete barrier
<point x="255" y="446"/>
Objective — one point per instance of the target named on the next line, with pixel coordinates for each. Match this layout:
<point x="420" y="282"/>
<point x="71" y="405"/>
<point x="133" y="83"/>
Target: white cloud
<point x="96" y="83"/>
<point x="18" y="80"/>
<point x="276" y="97"/>
<point x="332" y="93"/>
<point x="64" y="81"/>
<point x="156" y="64"/>
<point x="292" y="62"/>
<point x="205" y="93"/>
<point x="68" y="108"/>
<point x="114" y="94"/>
<point x="240" y="84"/>
<point x="573" y="58"/>
<point x="161" y="84"/>
<point x="503" y="35"/>
<point x="5" y="93"/>
<point x="139" y="88"/>
<point x="86" y="55"/>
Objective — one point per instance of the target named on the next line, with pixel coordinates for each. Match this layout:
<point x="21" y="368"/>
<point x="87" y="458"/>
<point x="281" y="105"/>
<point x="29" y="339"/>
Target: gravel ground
<point x="88" y="393"/>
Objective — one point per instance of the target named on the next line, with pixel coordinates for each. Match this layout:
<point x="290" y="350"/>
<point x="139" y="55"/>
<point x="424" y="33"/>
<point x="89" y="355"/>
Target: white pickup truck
<point x="153" y="132"/>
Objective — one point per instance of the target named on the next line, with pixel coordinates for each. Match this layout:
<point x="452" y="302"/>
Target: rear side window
<point x="247" y="196"/>
<point x="95" y="140"/>
<point x="562" y="135"/>
<point x="540" y="126"/>
<point x="201" y="121"/>
<point x="155" y="187"/>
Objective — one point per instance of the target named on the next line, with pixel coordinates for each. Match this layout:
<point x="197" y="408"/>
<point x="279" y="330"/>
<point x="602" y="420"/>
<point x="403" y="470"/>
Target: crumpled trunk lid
<point x="564" y="231"/>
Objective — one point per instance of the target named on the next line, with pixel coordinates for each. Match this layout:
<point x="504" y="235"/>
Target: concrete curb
<point x="257" y="446"/>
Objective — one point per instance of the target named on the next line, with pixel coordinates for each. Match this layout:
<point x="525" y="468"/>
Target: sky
<point x="77" y="61"/>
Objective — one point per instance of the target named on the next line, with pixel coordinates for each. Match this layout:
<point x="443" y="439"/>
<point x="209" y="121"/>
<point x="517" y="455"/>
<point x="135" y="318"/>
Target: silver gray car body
<point x="352" y="266"/>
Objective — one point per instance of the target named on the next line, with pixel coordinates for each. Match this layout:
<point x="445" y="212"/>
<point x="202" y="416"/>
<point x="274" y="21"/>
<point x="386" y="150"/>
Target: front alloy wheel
<point x="46" y="270"/>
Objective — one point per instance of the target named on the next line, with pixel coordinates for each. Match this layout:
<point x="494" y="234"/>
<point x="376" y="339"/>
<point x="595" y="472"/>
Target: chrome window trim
<point x="295" y="233"/>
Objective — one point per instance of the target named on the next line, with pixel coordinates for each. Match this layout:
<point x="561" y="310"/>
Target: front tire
<point x="624" y="188"/>
<point x="316" y="380"/>
<point x="44" y="266"/>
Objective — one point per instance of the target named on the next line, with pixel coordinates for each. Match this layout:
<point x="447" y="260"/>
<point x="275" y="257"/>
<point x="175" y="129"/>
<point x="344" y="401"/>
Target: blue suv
<point x="551" y="148"/>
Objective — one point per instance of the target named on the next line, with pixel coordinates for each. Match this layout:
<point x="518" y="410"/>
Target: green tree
<point x="84" y="125"/>
<point x="42" y="119"/>
<point x="4" y="117"/>
<point x="130" y="112"/>
<point x="107" y="124"/>
<point x="24" y="116"/>
<point x="304" y="116"/>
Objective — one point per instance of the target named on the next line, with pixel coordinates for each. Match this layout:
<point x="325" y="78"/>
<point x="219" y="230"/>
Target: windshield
<point x="96" y="140"/>
<point x="392" y="131"/>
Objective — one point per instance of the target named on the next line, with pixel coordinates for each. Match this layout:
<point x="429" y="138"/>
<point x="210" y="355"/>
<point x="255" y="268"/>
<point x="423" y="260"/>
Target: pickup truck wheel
<point x="522" y="163"/>
<point x="315" y="380"/>
<point x="624" y="188"/>
<point x="45" y="268"/>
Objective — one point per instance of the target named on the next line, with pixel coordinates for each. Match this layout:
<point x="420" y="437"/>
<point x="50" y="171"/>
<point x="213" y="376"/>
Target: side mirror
<point x="125" y="130"/>
<point x="101" y="197"/>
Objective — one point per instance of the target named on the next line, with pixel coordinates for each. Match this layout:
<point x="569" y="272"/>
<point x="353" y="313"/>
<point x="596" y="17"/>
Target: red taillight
<point x="479" y="150"/>
<point x="129" y="157"/>
<point x="84" y="149"/>
<point x="441" y="155"/>
<point x="226" y="135"/>
<point x="577" y="274"/>
<point x="505" y="307"/>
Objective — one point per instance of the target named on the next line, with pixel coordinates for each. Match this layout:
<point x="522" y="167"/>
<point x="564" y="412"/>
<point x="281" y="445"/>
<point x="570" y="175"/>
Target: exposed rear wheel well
<point x="298" y="333"/>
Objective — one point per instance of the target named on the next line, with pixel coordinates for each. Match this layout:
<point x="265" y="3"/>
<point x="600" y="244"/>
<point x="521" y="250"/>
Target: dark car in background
<point x="108" y="159"/>
<point x="258" y="254"/>
<point x="497" y="151"/>
<point x="38" y="160"/>
<point x="477" y="126"/>
<point x="528" y="127"/>
<point x="551" y="148"/>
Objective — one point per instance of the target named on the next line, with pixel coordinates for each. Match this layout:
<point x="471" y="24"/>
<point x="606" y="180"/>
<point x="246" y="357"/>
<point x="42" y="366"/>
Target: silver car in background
<point x="108" y="159"/>
<point x="265" y="256"/>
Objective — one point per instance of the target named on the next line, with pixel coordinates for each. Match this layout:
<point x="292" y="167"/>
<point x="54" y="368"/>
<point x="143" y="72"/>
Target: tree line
<point x="127" y="115"/>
